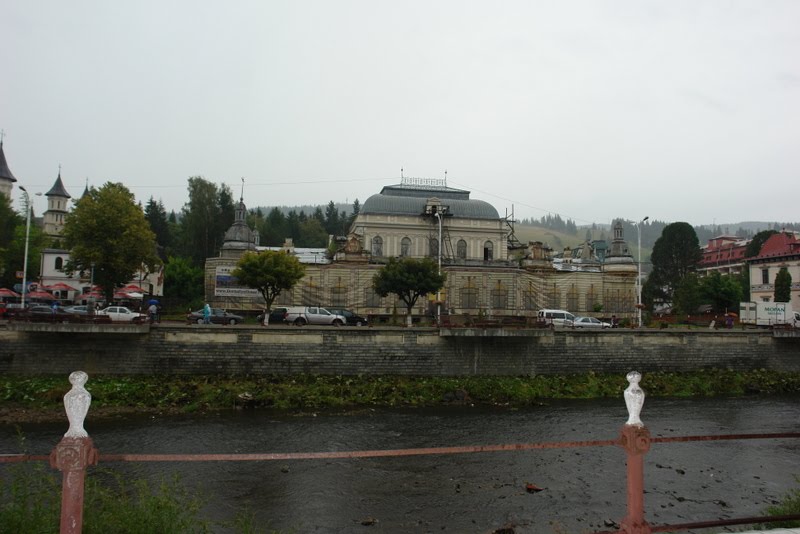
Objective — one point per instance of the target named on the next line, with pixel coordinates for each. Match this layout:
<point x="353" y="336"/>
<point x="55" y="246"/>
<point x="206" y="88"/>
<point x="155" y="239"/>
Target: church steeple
<point x="57" y="206"/>
<point x="7" y="179"/>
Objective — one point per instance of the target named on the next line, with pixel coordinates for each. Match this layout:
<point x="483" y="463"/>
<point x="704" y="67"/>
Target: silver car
<point x="589" y="322"/>
<point x="303" y="315"/>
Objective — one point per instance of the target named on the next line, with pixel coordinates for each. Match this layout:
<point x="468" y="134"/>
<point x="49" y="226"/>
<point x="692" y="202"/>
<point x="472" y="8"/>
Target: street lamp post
<point x="639" y="273"/>
<point x="27" y="239"/>
<point x="438" y="291"/>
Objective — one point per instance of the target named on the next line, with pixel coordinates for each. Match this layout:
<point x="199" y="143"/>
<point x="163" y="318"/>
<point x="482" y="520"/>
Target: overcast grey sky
<point x="678" y="110"/>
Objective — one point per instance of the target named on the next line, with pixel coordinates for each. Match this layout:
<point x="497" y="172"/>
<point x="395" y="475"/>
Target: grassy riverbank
<point x="42" y="394"/>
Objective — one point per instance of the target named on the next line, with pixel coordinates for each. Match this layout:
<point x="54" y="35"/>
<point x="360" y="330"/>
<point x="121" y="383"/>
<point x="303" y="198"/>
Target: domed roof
<point x="403" y="200"/>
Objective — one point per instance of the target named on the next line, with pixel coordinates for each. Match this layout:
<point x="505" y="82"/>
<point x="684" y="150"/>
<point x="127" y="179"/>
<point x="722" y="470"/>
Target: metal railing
<point x="76" y="452"/>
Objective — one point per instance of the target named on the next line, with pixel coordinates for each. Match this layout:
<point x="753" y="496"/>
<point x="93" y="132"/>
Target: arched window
<point x="461" y="249"/>
<point x="405" y="247"/>
<point x="434" y="248"/>
<point x="59" y="263"/>
<point x="488" y="251"/>
<point x="377" y="246"/>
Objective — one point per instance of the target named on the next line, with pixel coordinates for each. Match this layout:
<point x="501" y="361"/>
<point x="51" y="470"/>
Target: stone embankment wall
<point x="195" y="349"/>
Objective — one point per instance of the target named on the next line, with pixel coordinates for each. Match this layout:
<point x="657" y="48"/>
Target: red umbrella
<point x="40" y="295"/>
<point x="133" y="287"/>
<point x="60" y="286"/>
<point x="4" y="293"/>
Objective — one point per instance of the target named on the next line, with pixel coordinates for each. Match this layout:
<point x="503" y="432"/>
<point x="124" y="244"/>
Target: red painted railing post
<point x="73" y="454"/>
<point x="635" y="439"/>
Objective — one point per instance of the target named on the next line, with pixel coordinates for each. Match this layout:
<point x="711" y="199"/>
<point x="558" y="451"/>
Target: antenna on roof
<point x="401" y="173"/>
<point x="445" y="177"/>
<point x="241" y="197"/>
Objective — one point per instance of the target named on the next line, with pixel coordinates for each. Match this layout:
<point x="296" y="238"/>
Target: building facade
<point x="425" y="218"/>
<point x="724" y="254"/>
<point x="778" y="251"/>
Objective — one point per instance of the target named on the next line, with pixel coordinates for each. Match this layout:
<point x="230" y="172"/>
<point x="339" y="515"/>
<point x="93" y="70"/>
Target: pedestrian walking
<point x="206" y="314"/>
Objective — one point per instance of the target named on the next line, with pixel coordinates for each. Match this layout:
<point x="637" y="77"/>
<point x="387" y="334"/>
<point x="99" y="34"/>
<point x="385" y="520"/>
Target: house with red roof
<point x="725" y="254"/>
<point x="780" y="250"/>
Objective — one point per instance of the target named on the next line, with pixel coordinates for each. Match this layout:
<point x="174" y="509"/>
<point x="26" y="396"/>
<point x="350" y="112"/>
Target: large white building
<point x="425" y="218"/>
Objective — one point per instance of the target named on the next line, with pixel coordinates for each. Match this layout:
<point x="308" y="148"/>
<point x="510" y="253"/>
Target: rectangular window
<point x="499" y="299"/>
<point x="310" y="295"/>
<point x="284" y="298"/>
<point x="590" y="301"/>
<point x="469" y="298"/>
<point x="765" y="276"/>
<point x="529" y="300"/>
<point x="572" y="301"/>
<point x="339" y="297"/>
<point x="555" y="299"/>
<point x="372" y="299"/>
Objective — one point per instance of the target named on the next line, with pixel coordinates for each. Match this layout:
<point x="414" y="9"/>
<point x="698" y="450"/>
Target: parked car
<point x="276" y="315"/>
<point x="218" y="316"/>
<point x="43" y="313"/>
<point x="351" y="319"/>
<point x="123" y="314"/>
<point x="590" y="322"/>
<point x="302" y="315"/>
<point x="77" y="310"/>
<point x="556" y="317"/>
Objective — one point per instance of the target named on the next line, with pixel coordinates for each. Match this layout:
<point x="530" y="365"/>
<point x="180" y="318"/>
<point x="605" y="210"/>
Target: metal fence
<point x="76" y="452"/>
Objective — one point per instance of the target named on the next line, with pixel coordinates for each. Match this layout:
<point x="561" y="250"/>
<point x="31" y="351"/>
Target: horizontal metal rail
<point x="466" y="449"/>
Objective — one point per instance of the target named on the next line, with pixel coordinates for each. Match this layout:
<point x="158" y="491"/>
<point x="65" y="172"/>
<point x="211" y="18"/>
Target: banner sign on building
<point x="226" y="285"/>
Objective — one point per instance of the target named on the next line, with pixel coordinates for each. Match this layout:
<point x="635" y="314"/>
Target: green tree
<point x="332" y="222"/>
<point x="206" y="217"/>
<point x="156" y="216"/>
<point x="270" y="272"/>
<point x="183" y="281"/>
<point x="409" y="279"/>
<point x="687" y="297"/>
<point x="722" y="292"/>
<point x="107" y="230"/>
<point x="755" y="244"/>
<point x="744" y="282"/>
<point x="783" y="286"/>
<point x="675" y="254"/>
<point x="9" y="221"/>
<point x="14" y="256"/>
<point x="353" y="215"/>
<point x="312" y="234"/>
<point x="274" y="230"/>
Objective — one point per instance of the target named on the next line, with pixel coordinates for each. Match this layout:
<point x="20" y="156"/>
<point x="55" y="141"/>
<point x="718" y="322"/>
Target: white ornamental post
<point x="73" y="454"/>
<point x="635" y="439"/>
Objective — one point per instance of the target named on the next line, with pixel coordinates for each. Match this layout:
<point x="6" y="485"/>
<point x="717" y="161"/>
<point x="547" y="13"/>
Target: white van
<point x="556" y="317"/>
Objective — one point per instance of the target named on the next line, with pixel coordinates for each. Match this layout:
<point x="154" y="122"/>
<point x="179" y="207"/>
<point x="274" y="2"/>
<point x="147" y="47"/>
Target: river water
<point x="465" y="493"/>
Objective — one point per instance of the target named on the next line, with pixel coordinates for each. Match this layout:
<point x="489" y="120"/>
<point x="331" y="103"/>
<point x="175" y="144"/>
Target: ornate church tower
<point x="239" y="238"/>
<point x="57" y="208"/>
<point x="6" y="178"/>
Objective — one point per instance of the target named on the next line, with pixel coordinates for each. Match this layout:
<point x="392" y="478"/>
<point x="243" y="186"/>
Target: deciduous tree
<point x="107" y="230"/>
<point x="409" y="279"/>
<point x="270" y="272"/>
<point x="183" y="281"/>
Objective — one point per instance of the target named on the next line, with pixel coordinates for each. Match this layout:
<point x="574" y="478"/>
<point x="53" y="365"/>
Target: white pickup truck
<point x="303" y="315"/>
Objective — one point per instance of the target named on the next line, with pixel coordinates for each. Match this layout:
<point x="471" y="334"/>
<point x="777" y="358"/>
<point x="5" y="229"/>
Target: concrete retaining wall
<point x="195" y="349"/>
